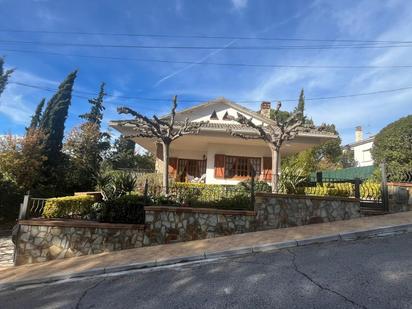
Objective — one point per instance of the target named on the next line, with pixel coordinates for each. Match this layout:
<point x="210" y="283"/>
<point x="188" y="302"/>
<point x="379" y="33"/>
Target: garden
<point x="121" y="196"/>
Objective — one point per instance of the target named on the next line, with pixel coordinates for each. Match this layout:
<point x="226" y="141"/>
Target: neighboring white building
<point x="224" y="159"/>
<point x="362" y="148"/>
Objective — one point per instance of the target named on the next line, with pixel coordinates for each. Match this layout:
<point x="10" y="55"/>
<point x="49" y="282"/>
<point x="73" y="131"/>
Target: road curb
<point x="318" y="240"/>
<point x="344" y="236"/>
<point x="228" y="253"/>
<point x="376" y="232"/>
<point x="275" y="246"/>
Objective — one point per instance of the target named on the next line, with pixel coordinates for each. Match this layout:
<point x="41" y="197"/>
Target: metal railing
<point x="401" y="177"/>
<point x="32" y="207"/>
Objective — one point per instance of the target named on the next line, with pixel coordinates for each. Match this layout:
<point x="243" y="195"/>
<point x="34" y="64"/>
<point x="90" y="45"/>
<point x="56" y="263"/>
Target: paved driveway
<point x="6" y="248"/>
<point x="374" y="273"/>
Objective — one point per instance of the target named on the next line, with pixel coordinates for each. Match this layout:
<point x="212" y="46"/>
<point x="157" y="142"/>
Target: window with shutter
<point x="219" y="166"/>
<point x="267" y="168"/>
<point x="173" y="167"/>
<point x="242" y="167"/>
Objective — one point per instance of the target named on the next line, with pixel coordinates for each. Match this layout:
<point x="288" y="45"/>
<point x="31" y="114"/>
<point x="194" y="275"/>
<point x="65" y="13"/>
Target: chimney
<point x="358" y="134"/>
<point x="265" y="109"/>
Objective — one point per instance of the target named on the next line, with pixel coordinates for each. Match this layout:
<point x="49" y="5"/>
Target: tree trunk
<point x="165" y="147"/>
<point x="275" y="169"/>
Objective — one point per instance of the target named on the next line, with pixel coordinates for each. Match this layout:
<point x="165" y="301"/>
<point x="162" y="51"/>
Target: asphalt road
<point x="374" y="273"/>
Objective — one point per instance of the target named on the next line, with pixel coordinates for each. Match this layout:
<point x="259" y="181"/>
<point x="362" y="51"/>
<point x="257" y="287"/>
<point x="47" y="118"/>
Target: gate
<point x="373" y="201"/>
<point x="373" y="197"/>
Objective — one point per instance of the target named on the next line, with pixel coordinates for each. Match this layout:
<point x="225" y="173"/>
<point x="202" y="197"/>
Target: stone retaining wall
<point x="174" y="224"/>
<point x="278" y="210"/>
<point x="42" y="240"/>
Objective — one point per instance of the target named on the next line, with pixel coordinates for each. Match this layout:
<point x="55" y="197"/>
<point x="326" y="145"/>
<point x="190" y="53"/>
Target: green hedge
<point x="68" y="206"/>
<point x="209" y="196"/>
<point x="125" y="209"/>
<point x="368" y="190"/>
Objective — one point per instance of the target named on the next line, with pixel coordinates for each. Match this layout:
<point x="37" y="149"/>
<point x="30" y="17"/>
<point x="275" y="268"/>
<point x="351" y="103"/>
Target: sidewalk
<point x="209" y="248"/>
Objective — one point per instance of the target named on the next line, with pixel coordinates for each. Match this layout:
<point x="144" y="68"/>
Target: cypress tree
<point x="96" y="112"/>
<point x="54" y="117"/>
<point x="35" y="119"/>
<point x="301" y="105"/>
<point x="4" y="76"/>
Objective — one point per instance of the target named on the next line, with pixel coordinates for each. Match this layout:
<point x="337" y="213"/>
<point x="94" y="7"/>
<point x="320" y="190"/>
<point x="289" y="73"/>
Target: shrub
<point x="155" y="183"/>
<point x="125" y="209"/>
<point x="211" y="196"/>
<point x="68" y="206"/>
<point x="114" y="184"/>
<point x="368" y="190"/>
<point x="10" y="198"/>
<point x="260" y="186"/>
<point x="393" y="145"/>
<point x="290" y="178"/>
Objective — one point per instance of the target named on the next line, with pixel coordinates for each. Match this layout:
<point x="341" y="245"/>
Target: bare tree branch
<point x="162" y="131"/>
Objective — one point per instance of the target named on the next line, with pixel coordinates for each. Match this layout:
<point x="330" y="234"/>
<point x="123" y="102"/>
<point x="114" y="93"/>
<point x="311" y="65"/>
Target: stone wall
<point x="400" y="197"/>
<point x="42" y="240"/>
<point x="277" y="210"/>
<point x="174" y="224"/>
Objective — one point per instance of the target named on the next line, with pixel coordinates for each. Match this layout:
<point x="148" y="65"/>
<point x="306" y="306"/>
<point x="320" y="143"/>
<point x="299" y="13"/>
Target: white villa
<point x="216" y="155"/>
<point x="362" y="148"/>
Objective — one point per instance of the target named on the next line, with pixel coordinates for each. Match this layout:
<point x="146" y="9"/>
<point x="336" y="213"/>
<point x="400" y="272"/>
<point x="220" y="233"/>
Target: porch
<point x="221" y="159"/>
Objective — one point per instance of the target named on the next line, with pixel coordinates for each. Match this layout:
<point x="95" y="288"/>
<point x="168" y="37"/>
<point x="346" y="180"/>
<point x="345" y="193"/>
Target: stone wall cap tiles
<point x="309" y="197"/>
<point x="80" y="223"/>
<point x="201" y="210"/>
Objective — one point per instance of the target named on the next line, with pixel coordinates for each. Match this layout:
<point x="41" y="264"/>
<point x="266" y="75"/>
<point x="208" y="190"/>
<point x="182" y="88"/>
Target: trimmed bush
<point x="260" y="186"/>
<point x="210" y="196"/>
<point x="68" y="206"/>
<point x="125" y="209"/>
<point x="368" y="190"/>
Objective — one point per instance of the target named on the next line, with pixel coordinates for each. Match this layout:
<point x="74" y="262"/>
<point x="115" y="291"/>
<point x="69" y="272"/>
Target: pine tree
<point x="54" y="118"/>
<point x="96" y="113"/>
<point x="86" y="146"/>
<point x="123" y="155"/>
<point x="35" y="119"/>
<point x="4" y="76"/>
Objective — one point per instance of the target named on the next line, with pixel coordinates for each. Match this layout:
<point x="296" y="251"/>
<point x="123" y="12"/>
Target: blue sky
<point x="359" y="20"/>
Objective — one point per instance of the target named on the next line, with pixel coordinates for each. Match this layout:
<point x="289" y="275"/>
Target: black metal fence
<point x="373" y="196"/>
<point x="400" y="177"/>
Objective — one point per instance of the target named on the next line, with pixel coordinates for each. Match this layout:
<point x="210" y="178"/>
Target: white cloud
<point x="18" y="102"/>
<point x="239" y="4"/>
<point x="14" y="106"/>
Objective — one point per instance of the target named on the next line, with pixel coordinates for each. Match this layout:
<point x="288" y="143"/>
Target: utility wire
<point x="239" y="101"/>
<point x="256" y="65"/>
<point x="182" y="47"/>
<point x="200" y="36"/>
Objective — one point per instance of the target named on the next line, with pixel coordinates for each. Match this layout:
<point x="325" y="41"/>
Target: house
<point x="362" y="148"/>
<point x="215" y="154"/>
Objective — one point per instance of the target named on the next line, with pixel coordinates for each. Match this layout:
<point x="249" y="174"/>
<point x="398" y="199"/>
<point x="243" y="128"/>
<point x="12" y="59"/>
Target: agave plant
<point x="115" y="184"/>
<point x="126" y="182"/>
<point x="290" y="178"/>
